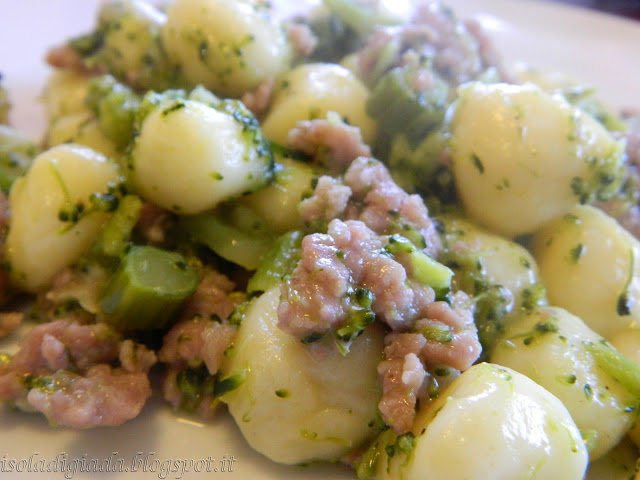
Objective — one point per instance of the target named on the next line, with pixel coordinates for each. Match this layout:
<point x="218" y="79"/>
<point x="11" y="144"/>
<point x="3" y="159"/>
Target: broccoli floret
<point x="126" y="43"/>
<point x="16" y="153"/>
<point x="115" y="105"/>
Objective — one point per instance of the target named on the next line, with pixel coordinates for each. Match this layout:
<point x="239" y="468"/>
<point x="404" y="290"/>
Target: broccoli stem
<point x="243" y="246"/>
<point x="278" y="263"/>
<point x="398" y="108"/>
<point x="113" y="240"/>
<point x="420" y="266"/>
<point x="620" y="367"/>
<point x="147" y="288"/>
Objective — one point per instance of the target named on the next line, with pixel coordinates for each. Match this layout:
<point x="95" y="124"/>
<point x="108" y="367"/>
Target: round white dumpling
<point x="591" y="267"/>
<point x="295" y="406"/>
<point x="500" y="261"/>
<point x="44" y="237"/>
<point x="551" y="347"/>
<point x="81" y="128"/>
<point x="490" y="423"/>
<point x="65" y="93"/>
<point x="522" y="157"/>
<point x="189" y="157"/>
<point x="229" y="46"/>
<point x="278" y="202"/>
<point x="311" y="91"/>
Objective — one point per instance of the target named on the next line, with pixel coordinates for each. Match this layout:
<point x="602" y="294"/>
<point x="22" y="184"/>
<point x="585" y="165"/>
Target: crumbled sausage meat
<point x="316" y="300"/>
<point x="333" y="144"/>
<point x="201" y="337"/>
<point x="64" y="370"/>
<point x="368" y="193"/>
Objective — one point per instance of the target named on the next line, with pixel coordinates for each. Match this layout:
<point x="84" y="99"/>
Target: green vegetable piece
<point x="398" y="108"/>
<point x="147" y="289"/>
<point x="244" y="244"/>
<point x="278" y="263"/>
<point x="229" y="384"/>
<point x="620" y="367"/>
<point x="113" y="240"/>
<point x="336" y="39"/>
<point x="415" y="168"/>
<point x="115" y="105"/>
<point x="16" y="153"/>
<point x="375" y="457"/>
<point x="361" y="16"/>
<point x="420" y="266"/>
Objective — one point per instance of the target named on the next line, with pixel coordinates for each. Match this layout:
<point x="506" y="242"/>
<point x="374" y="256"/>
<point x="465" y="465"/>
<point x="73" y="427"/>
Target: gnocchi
<point x="312" y="91"/>
<point x="583" y="245"/>
<point x="549" y="347"/>
<point x="479" y="418"/>
<point x="54" y="214"/>
<point x="518" y="149"/>
<point x="189" y="157"/>
<point x="321" y="405"/>
<point x="226" y="45"/>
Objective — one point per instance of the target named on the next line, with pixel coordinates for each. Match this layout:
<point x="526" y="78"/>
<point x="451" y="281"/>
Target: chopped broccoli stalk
<point x="414" y="169"/>
<point x="387" y="455"/>
<point x="336" y="38"/>
<point x="363" y="16"/>
<point x="114" y="238"/>
<point x="420" y="266"/>
<point x="398" y="108"/>
<point x="278" y="263"/>
<point x="16" y="153"/>
<point x="360" y="316"/>
<point x="147" y="288"/>
<point x="237" y="235"/>
<point x="196" y="385"/>
<point x="115" y="105"/>
<point x="229" y="383"/>
<point x="620" y="367"/>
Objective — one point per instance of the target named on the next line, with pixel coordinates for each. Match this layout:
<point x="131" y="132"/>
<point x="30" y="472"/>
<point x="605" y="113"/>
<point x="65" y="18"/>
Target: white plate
<point x="597" y="48"/>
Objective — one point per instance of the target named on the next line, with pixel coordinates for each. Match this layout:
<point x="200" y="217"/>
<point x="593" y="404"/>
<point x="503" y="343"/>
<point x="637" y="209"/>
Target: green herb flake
<point x="624" y="303"/>
<point x="477" y="163"/>
<point x="282" y="393"/>
<point x="568" y="378"/>
<point x="173" y="108"/>
<point x="576" y="253"/>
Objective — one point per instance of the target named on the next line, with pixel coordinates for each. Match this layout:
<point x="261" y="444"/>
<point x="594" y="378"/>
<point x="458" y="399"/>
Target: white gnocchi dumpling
<point x="522" y="157"/>
<point x="498" y="260"/>
<point x="591" y="266"/>
<point x="189" y="157"/>
<point x="65" y="93"/>
<point x="551" y="347"/>
<point x="490" y="423"/>
<point x="278" y="202"/>
<point x="295" y="406"/>
<point x="53" y="221"/>
<point x="311" y="91"/>
<point x="130" y="43"/>
<point x="229" y="46"/>
<point x="617" y="464"/>
<point x="81" y="128"/>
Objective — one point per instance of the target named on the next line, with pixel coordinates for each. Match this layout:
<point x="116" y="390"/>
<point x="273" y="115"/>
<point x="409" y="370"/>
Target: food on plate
<point x="353" y="230"/>
<point x="562" y="354"/>
<point x="480" y="418"/>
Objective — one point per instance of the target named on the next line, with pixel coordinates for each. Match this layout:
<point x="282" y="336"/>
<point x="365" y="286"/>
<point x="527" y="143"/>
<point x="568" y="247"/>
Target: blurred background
<point x="625" y="8"/>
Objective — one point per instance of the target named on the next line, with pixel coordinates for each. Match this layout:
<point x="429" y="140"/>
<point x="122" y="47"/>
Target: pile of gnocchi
<point x="197" y="166"/>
